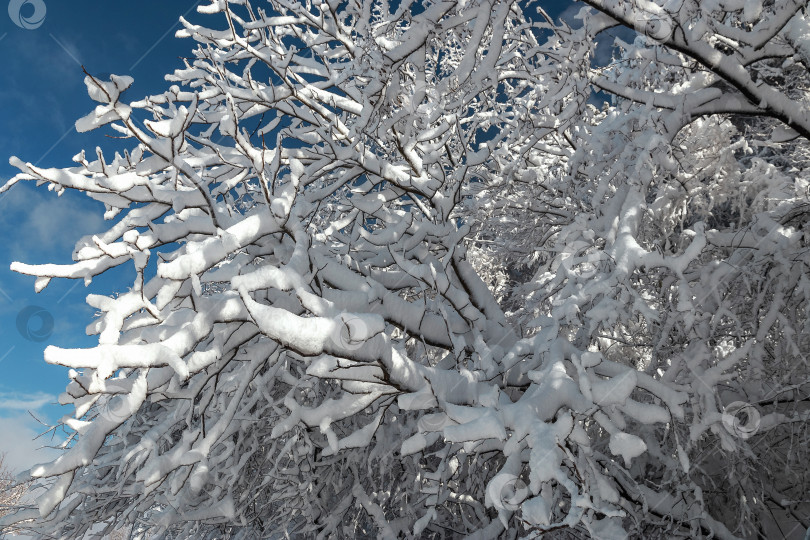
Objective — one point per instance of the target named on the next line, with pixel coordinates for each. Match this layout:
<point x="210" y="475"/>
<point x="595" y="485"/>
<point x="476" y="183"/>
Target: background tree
<point x="11" y="491"/>
<point x="398" y="276"/>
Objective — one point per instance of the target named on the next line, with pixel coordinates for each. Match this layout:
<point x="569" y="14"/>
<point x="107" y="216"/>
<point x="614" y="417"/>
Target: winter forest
<point x="431" y="269"/>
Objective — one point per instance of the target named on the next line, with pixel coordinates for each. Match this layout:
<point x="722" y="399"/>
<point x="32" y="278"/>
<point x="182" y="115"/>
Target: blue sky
<point x="41" y="97"/>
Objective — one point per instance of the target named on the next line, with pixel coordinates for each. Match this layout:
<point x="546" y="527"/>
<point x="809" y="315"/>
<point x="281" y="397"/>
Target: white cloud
<point x="50" y="217"/>
<point x="17" y="434"/>
<point x="37" y="220"/>
<point x="19" y="430"/>
<point x="24" y="402"/>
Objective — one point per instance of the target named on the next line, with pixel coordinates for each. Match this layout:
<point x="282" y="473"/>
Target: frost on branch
<point x="411" y="282"/>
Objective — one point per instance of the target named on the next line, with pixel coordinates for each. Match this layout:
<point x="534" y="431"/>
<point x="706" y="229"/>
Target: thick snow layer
<point x="626" y="445"/>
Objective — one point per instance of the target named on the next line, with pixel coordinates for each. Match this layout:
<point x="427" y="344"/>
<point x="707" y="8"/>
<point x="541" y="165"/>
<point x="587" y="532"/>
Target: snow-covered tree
<point x="11" y="491"/>
<point x="398" y="276"/>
